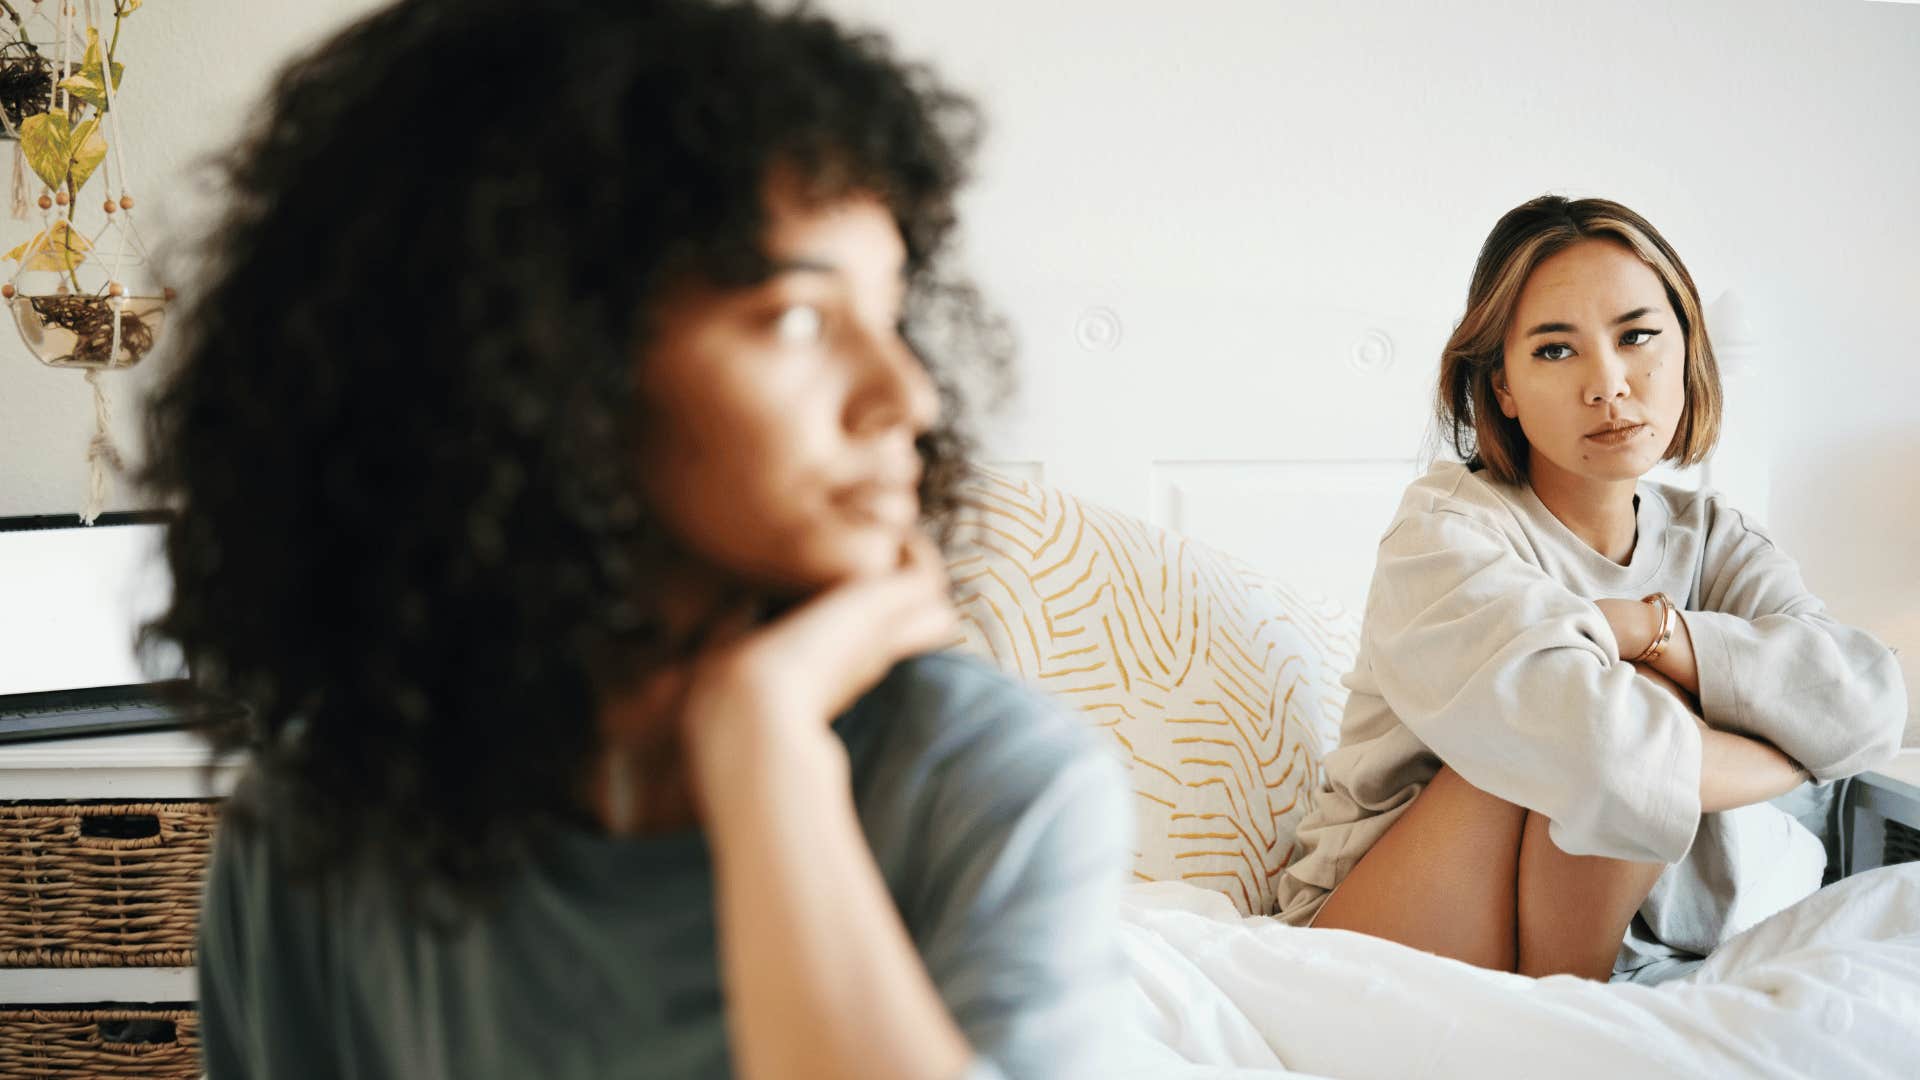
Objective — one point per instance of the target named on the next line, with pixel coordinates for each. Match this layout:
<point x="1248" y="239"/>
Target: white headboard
<point x="1287" y="441"/>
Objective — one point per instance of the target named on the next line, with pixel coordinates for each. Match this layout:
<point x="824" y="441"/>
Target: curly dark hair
<point x="399" y="440"/>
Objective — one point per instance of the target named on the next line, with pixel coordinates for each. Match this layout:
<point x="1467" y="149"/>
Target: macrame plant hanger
<point x="112" y="325"/>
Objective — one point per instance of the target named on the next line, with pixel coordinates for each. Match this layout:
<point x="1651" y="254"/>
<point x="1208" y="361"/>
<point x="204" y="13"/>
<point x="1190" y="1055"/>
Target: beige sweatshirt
<point x="1481" y="648"/>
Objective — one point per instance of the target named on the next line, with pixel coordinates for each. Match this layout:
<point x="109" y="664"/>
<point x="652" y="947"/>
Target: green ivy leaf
<point x="88" y="84"/>
<point x="56" y="152"/>
<point x="60" y="248"/>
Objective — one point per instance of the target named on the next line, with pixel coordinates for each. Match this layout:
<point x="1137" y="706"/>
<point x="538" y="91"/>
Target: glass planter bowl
<point x="70" y="331"/>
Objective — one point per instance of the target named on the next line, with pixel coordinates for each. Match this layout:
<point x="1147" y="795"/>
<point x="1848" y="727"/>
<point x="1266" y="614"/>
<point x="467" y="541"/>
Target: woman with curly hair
<point x="554" y="453"/>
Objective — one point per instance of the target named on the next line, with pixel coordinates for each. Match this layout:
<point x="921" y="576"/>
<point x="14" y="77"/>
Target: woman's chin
<point x="847" y="555"/>
<point x="1623" y="471"/>
<point x="868" y="552"/>
<point x="1610" y="467"/>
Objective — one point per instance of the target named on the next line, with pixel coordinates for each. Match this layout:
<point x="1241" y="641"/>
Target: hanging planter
<point x="26" y="79"/>
<point x="80" y="300"/>
<point x="81" y="331"/>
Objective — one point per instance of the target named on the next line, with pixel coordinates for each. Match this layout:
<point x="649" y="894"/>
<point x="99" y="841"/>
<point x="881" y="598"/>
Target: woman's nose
<point x="893" y="388"/>
<point x="1607" y="378"/>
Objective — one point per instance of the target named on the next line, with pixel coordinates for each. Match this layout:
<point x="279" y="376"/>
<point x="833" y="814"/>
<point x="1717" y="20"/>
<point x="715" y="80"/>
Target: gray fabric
<point x="1744" y="865"/>
<point x="1652" y="970"/>
<point x="1482" y="647"/>
<point x="999" y="824"/>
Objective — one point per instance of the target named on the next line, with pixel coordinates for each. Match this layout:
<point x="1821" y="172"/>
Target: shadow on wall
<point x="1851" y="516"/>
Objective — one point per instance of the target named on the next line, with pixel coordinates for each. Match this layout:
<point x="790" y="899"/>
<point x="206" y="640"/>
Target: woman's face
<point x="1595" y="366"/>
<point x="779" y="419"/>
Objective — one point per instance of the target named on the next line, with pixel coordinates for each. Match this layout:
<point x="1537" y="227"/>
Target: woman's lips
<point x="1617" y="436"/>
<point x="885" y="505"/>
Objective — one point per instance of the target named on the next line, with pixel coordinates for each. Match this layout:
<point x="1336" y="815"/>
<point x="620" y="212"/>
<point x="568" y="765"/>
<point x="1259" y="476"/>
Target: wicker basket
<point x="156" y="1042"/>
<point x="102" y="884"/>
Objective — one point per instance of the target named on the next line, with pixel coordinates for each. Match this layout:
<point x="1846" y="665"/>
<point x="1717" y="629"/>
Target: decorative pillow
<point x="1219" y="686"/>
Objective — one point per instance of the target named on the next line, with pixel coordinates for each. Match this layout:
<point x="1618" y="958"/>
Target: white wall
<point x="1253" y="189"/>
<point x="1268" y="182"/>
<point x="193" y="68"/>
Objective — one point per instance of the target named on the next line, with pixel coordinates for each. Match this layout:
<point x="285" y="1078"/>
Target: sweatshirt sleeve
<point x="1515" y="682"/>
<point x="1773" y="665"/>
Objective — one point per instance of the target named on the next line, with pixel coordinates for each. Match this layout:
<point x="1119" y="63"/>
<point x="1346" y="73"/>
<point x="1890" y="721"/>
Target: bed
<point x="1219" y="687"/>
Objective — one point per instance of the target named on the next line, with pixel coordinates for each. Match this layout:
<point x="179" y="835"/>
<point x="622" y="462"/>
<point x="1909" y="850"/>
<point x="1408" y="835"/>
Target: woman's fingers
<point x="780" y="684"/>
<point x="845" y="639"/>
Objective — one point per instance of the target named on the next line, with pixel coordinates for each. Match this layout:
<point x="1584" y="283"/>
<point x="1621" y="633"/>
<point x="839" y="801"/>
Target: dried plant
<point x="90" y="318"/>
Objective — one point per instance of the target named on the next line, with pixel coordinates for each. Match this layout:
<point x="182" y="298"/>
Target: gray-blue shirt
<point x="1001" y="827"/>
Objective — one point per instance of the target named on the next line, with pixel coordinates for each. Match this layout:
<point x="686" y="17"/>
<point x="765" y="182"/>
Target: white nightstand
<point x="160" y="765"/>
<point x="1890" y="793"/>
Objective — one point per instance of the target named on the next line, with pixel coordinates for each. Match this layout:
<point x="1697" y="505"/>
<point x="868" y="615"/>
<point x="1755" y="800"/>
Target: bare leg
<point x="1574" y="909"/>
<point x="1442" y="879"/>
<point x="1473" y="877"/>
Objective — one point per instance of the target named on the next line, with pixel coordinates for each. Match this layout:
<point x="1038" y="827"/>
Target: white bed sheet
<point x="1829" y="987"/>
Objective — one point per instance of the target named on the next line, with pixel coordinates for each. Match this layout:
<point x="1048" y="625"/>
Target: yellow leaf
<point x="54" y="152"/>
<point x="59" y="248"/>
<point x="87" y="149"/>
<point x="43" y="139"/>
<point x="88" y="84"/>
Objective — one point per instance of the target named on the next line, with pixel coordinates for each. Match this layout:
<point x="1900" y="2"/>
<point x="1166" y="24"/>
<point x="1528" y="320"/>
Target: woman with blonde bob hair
<point x="1468" y="408"/>
<point x="1577" y="688"/>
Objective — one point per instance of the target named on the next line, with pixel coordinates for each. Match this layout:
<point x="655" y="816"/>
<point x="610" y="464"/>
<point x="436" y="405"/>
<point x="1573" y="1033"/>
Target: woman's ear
<point x="1504" y="395"/>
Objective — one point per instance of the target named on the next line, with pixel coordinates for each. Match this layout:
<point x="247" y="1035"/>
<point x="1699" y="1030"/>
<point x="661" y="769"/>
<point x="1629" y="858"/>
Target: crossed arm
<point x="1735" y="770"/>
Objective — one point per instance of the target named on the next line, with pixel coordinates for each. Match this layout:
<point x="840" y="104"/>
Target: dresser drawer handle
<point x="120" y="826"/>
<point x="132" y="1032"/>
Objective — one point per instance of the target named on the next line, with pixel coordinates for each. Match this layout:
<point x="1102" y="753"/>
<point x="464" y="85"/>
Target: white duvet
<point x="1829" y="987"/>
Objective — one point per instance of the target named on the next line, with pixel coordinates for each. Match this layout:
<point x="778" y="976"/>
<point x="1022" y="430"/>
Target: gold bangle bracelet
<point x="1669" y="622"/>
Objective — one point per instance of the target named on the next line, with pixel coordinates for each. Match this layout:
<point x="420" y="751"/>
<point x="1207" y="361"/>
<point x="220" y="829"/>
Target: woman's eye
<point x="800" y="324"/>
<point x="1638" y="337"/>
<point x="1555" y="351"/>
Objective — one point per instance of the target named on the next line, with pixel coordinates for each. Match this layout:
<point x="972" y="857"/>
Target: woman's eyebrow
<point x="1569" y="328"/>
<point x="801" y="264"/>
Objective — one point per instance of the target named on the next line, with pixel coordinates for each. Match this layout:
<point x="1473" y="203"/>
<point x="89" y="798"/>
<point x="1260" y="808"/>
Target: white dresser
<point x="131" y="768"/>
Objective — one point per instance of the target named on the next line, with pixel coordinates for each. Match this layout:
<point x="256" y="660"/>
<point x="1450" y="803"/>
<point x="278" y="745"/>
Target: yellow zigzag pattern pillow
<point x="1219" y="686"/>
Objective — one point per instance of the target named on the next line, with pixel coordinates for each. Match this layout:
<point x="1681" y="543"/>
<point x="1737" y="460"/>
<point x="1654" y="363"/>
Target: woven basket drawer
<point x="102" y="884"/>
<point x="156" y="1042"/>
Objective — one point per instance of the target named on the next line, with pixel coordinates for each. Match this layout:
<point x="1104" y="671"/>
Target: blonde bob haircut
<point x="1468" y="413"/>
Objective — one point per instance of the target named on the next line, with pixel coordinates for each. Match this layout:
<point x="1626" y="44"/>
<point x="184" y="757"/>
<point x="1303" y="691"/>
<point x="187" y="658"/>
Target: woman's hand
<point x="1647" y="671"/>
<point x="821" y="976"/>
<point x="1635" y="623"/>
<point x="763" y="697"/>
<point x="756" y="698"/>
